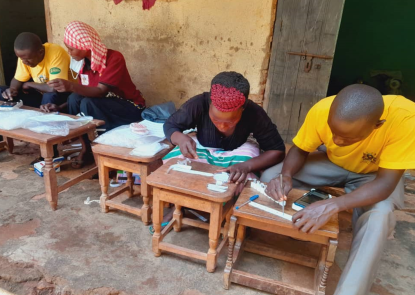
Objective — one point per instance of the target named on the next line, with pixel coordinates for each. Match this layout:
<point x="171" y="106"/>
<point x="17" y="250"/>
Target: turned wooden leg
<point x="49" y="176"/>
<point x="130" y="184"/>
<point x="157" y="220"/>
<point x="10" y="145"/>
<point x="145" y="192"/>
<point x="177" y="215"/>
<point x="104" y="181"/>
<point x="318" y="273"/>
<point x="226" y="225"/>
<point x="229" y="261"/>
<point x="331" y="252"/>
<point x="214" y="233"/>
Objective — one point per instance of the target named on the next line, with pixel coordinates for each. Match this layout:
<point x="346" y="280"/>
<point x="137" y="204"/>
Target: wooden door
<point x="2" y="80"/>
<point x="301" y="26"/>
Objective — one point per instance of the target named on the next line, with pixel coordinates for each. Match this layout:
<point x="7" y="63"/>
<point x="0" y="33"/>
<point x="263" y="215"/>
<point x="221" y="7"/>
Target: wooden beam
<point x="48" y="22"/>
<point x="265" y="250"/>
<point x="267" y="285"/>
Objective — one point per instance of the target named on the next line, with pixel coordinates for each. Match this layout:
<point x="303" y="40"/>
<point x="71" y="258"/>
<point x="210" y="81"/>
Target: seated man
<point x="225" y="118"/>
<point x="369" y="142"/>
<point x="40" y="62"/>
<point x="105" y="90"/>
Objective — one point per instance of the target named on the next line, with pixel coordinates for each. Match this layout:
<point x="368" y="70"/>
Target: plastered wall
<point x="174" y="50"/>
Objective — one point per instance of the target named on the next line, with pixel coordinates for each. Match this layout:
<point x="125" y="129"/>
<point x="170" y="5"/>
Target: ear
<point x="379" y="124"/>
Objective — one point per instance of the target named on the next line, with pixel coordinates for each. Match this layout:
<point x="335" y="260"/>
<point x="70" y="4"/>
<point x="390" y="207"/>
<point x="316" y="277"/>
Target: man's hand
<point x="186" y="143"/>
<point x="49" y="107"/>
<point x="274" y="188"/>
<point x="9" y="93"/>
<point x="315" y="215"/>
<point x="238" y="172"/>
<point x="61" y="85"/>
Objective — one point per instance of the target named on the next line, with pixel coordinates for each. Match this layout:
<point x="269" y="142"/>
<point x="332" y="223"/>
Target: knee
<point x="271" y="173"/>
<point x="86" y="102"/>
<point x="50" y="97"/>
<point x="74" y="99"/>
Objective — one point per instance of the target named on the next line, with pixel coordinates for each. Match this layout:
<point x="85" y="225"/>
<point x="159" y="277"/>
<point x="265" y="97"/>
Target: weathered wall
<point x="174" y="50"/>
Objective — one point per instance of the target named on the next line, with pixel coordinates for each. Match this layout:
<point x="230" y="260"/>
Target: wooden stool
<point x="248" y="216"/>
<point x="190" y="191"/>
<point x="119" y="158"/>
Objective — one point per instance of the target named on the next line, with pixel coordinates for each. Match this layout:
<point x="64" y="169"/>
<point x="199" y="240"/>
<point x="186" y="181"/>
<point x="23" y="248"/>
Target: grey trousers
<point x="371" y="225"/>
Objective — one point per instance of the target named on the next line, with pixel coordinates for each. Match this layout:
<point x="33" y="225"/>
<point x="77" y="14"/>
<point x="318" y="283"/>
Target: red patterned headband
<point x="226" y="99"/>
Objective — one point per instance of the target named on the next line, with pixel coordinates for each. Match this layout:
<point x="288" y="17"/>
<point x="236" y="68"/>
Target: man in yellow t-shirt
<point x="41" y="63"/>
<point x="365" y="143"/>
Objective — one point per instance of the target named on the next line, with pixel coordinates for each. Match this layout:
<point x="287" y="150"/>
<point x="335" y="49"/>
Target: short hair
<point x="233" y="80"/>
<point x="356" y="102"/>
<point x="28" y="41"/>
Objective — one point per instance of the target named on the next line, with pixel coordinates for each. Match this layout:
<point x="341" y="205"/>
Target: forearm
<point x="175" y="137"/>
<point x="265" y="160"/>
<point x="42" y="87"/>
<point x="370" y="193"/>
<point x="88" y="91"/>
<point x="15" y="84"/>
<point x="294" y="161"/>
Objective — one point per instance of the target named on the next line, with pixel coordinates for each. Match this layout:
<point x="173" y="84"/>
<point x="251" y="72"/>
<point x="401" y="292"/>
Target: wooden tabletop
<point x="191" y="184"/>
<point x="124" y="153"/>
<point x="331" y="229"/>
<point x="40" y="138"/>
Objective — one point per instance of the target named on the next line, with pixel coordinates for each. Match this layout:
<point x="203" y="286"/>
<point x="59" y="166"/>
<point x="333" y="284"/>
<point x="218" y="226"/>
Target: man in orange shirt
<point x="368" y="143"/>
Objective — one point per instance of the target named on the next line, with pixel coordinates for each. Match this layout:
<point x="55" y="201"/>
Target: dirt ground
<point x="79" y="250"/>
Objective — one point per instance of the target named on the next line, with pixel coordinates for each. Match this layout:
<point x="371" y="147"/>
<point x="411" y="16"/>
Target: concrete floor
<point x="79" y="250"/>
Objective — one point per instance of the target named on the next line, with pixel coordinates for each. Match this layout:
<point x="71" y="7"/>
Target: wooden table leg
<point x="157" y="220"/>
<point x="229" y="261"/>
<point x="240" y="237"/>
<point x="10" y="144"/>
<point x="214" y="233"/>
<point x="130" y="184"/>
<point x="227" y="223"/>
<point x="49" y="176"/>
<point x="104" y="180"/>
<point x="329" y="262"/>
<point x="177" y="215"/>
<point x="145" y="192"/>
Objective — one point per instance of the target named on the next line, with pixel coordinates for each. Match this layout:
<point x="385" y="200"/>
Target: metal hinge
<point x="309" y="58"/>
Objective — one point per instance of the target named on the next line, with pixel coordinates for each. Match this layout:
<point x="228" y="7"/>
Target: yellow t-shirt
<point x="54" y="65"/>
<point x="392" y="146"/>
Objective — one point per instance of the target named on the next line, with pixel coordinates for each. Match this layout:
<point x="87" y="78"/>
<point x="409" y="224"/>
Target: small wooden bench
<point x="46" y="143"/>
<point x="119" y="158"/>
<point x="190" y="191"/>
<point x="248" y="216"/>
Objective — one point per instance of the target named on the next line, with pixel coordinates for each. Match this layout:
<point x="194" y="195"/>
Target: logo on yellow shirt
<point x="54" y="71"/>
<point x="42" y="78"/>
<point x="369" y="157"/>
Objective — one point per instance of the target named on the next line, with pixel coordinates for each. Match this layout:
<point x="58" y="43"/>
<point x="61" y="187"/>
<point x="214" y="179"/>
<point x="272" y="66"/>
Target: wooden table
<point x="248" y="216"/>
<point x="190" y="191"/>
<point x="46" y="142"/>
<point x="119" y="158"/>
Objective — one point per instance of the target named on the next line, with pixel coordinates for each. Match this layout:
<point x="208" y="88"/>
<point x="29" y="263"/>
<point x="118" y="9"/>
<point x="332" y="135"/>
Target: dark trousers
<point x="114" y="111"/>
<point x="36" y="99"/>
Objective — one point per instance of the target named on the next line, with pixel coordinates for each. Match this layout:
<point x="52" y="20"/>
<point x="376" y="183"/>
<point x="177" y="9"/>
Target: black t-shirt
<point x="195" y="113"/>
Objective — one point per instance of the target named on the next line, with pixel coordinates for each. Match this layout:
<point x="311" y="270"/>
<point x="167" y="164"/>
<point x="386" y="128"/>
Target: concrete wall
<point x="17" y="16"/>
<point x="174" y="50"/>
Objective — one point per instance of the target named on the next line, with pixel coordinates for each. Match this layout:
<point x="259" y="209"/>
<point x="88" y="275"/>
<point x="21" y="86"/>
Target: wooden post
<point x="2" y="79"/>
